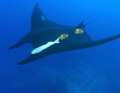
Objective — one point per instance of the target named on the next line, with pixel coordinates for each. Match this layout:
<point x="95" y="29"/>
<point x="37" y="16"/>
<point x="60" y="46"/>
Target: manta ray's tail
<point x="94" y="21"/>
<point x="82" y="25"/>
<point x="21" y="42"/>
<point x="102" y="41"/>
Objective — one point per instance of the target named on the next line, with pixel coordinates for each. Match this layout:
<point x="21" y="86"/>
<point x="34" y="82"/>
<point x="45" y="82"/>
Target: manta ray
<point x="45" y="39"/>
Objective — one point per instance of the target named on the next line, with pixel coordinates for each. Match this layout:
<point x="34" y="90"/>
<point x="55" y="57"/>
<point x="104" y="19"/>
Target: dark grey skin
<point x="43" y="31"/>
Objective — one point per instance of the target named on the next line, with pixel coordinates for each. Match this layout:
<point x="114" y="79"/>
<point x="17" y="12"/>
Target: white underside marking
<point x="43" y="47"/>
<point x="42" y="17"/>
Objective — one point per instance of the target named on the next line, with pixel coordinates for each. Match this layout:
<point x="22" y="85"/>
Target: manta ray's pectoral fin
<point x="39" y="20"/>
<point x="102" y="41"/>
<point x="29" y="59"/>
<point x="21" y="42"/>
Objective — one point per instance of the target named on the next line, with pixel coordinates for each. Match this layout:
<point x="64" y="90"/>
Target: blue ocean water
<point x="92" y="70"/>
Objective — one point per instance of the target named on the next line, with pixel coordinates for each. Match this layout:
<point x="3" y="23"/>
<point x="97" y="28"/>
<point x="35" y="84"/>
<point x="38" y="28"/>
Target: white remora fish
<point x="43" y="47"/>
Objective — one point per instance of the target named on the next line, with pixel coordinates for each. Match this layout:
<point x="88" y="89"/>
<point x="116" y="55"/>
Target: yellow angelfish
<point x="78" y="31"/>
<point x="63" y="36"/>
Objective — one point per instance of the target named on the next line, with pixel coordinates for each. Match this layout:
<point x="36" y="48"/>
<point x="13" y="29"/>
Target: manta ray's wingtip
<point x="20" y="63"/>
<point x="28" y="60"/>
<point x="13" y="47"/>
<point x="9" y="48"/>
<point x="37" y="3"/>
<point x="23" y="62"/>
